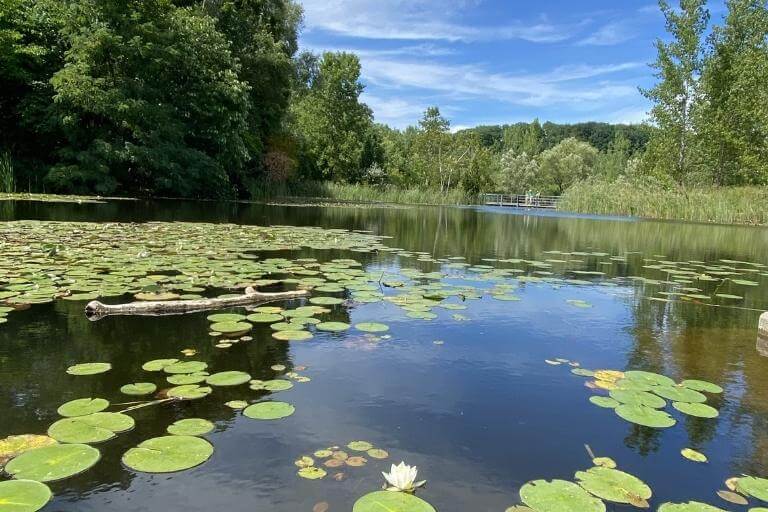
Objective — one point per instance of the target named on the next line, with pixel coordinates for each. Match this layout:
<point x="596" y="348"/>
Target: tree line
<point x="212" y="98"/>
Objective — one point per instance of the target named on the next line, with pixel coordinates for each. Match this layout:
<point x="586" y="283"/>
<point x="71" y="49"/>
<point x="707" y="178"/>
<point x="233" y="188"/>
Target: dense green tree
<point x="561" y="166"/>
<point x="333" y="124"/>
<point x="612" y="163"/>
<point x="525" y="138"/>
<point x="677" y="95"/>
<point x="150" y="101"/>
<point x="733" y="126"/>
<point x="518" y="174"/>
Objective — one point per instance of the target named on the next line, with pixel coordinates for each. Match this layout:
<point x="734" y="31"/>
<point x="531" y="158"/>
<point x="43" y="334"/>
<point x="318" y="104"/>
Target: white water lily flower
<point x="402" y="478"/>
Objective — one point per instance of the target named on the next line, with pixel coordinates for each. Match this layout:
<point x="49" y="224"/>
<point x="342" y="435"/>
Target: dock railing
<point x="521" y="201"/>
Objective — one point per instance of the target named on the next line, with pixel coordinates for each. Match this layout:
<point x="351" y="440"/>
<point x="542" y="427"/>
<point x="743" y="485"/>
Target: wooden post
<point x="762" y="335"/>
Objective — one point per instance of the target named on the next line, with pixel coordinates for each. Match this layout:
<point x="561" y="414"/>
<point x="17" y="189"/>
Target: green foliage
<point x="330" y="120"/>
<point x="519" y="172"/>
<point x="566" y="163"/>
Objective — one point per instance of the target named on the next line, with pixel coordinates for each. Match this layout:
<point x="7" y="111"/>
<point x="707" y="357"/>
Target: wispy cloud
<point x="420" y="20"/>
<point x="610" y="34"/>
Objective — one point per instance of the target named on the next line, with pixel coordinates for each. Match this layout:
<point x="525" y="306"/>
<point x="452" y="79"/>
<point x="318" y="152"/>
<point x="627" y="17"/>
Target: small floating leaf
<point x="237" y="404"/>
<point x="89" y="368"/>
<point x="560" y="496"/>
<point x="304" y="462"/>
<point x="693" y="455"/>
<point x="326" y="301"/>
<point x="185" y="367"/>
<point x="312" y="473"/>
<point x="189" y="392"/>
<point x="360" y="446"/>
<point x="51" y="463"/>
<point x="381" y="501"/>
<point x="269" y="410"/>
<point x="356" y="461"/>
<point x="157" y="365"/>
<point x="264" y="318"/>
<point x="82" y="407"/>
<point x="225" y="317"/>
<point x="583" y="372"/>
<point x="168" y="454"/>
<point x="190" y="378"/>
<point x="605" y="462"/>
<point x="231" y="328"/>
<point x="371" y="327"/>
<point x="290" y="335"/>
<point x="230" y="378"/>
<point x="138" y="389"/>
<point x="190" y="427"/>
<point x="23" y="496"/>
<point x="332" y="326"/>
<point x="697" y="410"/>
<point x="377" y="453"/>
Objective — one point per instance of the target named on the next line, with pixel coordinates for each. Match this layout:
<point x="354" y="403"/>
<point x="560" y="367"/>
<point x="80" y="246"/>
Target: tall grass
<point x="312" y="190"/>
<point x="7" y="183"/>
<point x="736" y="205"/>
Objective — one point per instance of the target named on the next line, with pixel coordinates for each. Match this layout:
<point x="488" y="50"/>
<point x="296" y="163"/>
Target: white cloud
<point x="610" y="34"/>
<point x="419" y="20"/>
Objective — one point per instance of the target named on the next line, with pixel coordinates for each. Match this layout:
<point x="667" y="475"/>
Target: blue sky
<point x="495" y="61"/>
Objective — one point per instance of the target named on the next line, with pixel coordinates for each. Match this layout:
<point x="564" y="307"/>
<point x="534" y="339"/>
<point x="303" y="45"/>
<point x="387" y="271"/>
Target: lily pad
<point x="680" y="394"/>
<point x="651" y="378"/>
<point x="182" y="379"/>
<point x="168" y="454"/>
<point x="189" y="392"/>
<point x="604" y="402"/>
<point x="183" y="367"/>
<point x="559" y="496"/>
<point x="292" y="335"/>
<point x="312" y="473"/>
<point x="638" y="397"/>
<point x="225" y="317"/>
<point x="94" y="428"/>
<point x="693" y="455"/>
<point x="89" y="368"/>
<point x="276" y="385"/>
<point x="23" y="496"/>
<point x="52" y="463"/>
<point x="691" y="506"/>
<point x="13" y="446"/>
<point x="82" y="407"/>
<point x="326" y="301"/>
<point x="645" y="416"/>
<point x="386" y="501"/>
<point x="614" y="485"/>
<point x="138" y="389"/>
<point x="371" y="327"/>
<point x="702" y="385"/>
<point x="190" y="427"/>
<point x="237" y="404"/>
<point x="264" y="318"/>
<point x="332" y="326"/>
<point x="753" y="486"/>
<point x="232" y="328"/>
<point x="269" y="410"/>
<point x="230" y="378"/>
<point x="360" y="446"/>
<point x="377" y="453"/>
<point x="157" y="365"/>
<point x="697" y="410"/>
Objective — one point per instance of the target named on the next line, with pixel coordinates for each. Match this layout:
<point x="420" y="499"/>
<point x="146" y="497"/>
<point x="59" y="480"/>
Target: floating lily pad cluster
<point x="334" y="458"/>
<point x="640" y="397"/>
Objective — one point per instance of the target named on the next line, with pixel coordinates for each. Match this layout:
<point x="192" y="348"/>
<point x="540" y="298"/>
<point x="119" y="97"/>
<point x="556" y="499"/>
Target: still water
<point x="480" y="413"/>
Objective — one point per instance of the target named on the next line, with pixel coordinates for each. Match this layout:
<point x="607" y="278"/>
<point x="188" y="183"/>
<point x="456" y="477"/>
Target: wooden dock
<point x="521" y="201"/>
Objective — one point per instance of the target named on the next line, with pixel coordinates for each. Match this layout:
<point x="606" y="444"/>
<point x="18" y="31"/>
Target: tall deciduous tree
<point x="332" y="121"/>
<point x="677" y="95"/>
<point x="571" y="160"/>
<point x="734" y="119"/>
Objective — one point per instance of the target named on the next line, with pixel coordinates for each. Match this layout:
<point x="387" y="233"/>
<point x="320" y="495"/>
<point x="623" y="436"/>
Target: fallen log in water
<point x="95" y="310"/>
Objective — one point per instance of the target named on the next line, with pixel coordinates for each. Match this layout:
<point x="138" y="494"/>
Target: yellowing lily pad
<point x="360" y="446"/>
<point x="693" y="455"/>
<point x="12" y="446"/>
<point x="377" y="453"/>
<point x="311" y="473"/>
<point x="168" y="454"/>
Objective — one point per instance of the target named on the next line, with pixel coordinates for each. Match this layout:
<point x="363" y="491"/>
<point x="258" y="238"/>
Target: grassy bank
<point x="737" y="205"/>
<point x="355" y="193"/>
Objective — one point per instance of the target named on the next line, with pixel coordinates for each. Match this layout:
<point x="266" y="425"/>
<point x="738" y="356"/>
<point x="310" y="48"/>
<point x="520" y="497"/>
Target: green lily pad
<point x="52" y="463"/>
<point x="225" y="317"/>
<point x="651" y="378"/>
<point x="185" y="367"/>
<point x="702" y="385"/>
<point x="168" y="454"/>
<point x="613" y="485"/>
<point x="697" y="410"/>
<point x="188" y="378"/>
<point x="753" y="486"/>
<point x="237" y="404"/>
<point x="89" y="368"/>
<point x="230" y="378"/>
<point x="680" y="394"/>
<point x="604" y="402"/>
<point x="94" y="428"/>
<point x="312" y="473"/>
<point x="269" y="410"/>
<point x="13" y="446"/>
<point x="326" y="301"/>
<point x="82" y="407"/>
<point x="645" y="416"/>
<point x="386" y="501"/>
<point x="360" y="446"/>
<point x="157" y="365"/>
<point x="638" y="397"/>
<point x="23" y="496"/>
<point x="372" y="327"/>
<point x="693" y="455"/>
<point x="138" y="389"/>
<point x="691" y="506"/>
<point x="559" y="496"/>
<point x="291" y="335"/>
<point x="264" y="318"/>
<point x="190" y="427"/>
<point x="332" y="326"/>
<point x="275" y="385"/>
<point x="231" y="328"/>
<point x="189" y="392"/>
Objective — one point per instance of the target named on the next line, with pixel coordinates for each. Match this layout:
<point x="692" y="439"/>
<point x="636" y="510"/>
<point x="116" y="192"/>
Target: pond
<point x="463" y="341"/>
